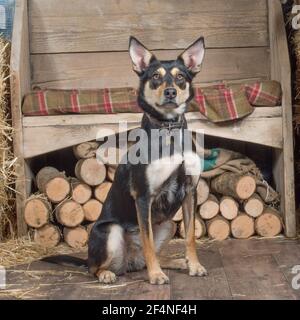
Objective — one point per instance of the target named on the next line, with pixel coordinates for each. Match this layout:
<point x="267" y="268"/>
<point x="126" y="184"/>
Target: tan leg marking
<point x="156" y="275"/>
<point x="188" y="206"/>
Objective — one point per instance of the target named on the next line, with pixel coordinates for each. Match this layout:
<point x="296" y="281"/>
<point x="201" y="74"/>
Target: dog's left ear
<point x="193" y="56"/>
<point x="141" y="57"/>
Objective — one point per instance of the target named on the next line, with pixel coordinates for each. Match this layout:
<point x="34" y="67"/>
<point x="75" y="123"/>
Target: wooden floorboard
<point x="238" y="269"/>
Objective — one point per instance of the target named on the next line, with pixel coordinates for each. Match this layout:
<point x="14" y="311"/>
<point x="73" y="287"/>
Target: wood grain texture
<point x="20" y="84"/>
<point x="263" y="126"/>
<point x="112" y="70"/>
<point x="281" y="71"/>
<point x="107" y="25"/>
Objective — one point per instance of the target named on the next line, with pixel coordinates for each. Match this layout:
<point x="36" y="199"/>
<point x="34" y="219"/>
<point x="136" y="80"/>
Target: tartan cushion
<point x="221" y="102"/>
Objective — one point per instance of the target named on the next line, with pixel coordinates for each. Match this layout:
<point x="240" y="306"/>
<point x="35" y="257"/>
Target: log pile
<point x="230" y="206"/>
<point x="65" y="208"/>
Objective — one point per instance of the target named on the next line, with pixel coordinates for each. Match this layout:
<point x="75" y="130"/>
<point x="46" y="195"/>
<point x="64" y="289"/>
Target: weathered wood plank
<point x="69" y="130"/>
<point x="87" y="119"/>
<point x="256" y="277"/>
<point x="109" y="70"/>
<point x="106" y="25"/>
<point x="213" y="286"/>
<point x="20" y="85"/>
<point x="281" y="71"/>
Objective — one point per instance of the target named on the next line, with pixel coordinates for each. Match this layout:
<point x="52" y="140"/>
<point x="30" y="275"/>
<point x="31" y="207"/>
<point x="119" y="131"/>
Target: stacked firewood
<point x="67" y="207"/>
<point x="230" y="205"/>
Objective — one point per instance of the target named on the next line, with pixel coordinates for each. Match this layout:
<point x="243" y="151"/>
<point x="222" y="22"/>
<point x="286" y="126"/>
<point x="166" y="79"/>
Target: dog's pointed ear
<point x="141" y="57"/>
<point x="193" y="56"/>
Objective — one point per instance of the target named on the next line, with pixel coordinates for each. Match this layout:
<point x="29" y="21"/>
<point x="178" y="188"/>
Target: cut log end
<point x="229" y="208"/>
<point x="76" y="237"/>
<point x="218" y="228"/>
<point x="69" y="213"/>
<point x="57" y="189"/>
<point x="269" y="224"/>
<point x="37" y="212"/>
<point x="178" y="215"/>
<point x="81" y="192"/>
<point x="242" y="227"/>
<point x="245" y="187"/>
<point x="200" y="229"/>
<point x="90" y="171"/>
<point x="202" y="191"/>
<point x="92" y="210"/>
<point x="86" y="150"/>
<point x="234" y="185"/>
<point x="210" y="208"/>
<point x="47" y="236"/>
<point x="102" y="190"/>
<point x="254" y="206"/>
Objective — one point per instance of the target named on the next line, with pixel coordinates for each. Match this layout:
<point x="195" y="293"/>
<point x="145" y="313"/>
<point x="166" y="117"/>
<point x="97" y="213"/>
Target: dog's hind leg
<point x="163" y="233"/>
<point x="106" y="254"/>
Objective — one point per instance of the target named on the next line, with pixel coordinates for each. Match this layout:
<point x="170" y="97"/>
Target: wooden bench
<point x="80" y="44"/>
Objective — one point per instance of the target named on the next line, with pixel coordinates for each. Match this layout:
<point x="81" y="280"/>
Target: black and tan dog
<point x="136" y="219"/>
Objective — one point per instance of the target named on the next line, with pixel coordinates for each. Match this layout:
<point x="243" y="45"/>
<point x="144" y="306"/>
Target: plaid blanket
<point x="217" y="103"/>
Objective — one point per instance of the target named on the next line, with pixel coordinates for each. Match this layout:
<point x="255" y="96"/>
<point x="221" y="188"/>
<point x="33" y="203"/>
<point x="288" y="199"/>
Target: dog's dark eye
<point x="179" y="76"/>
<point x="156" y="76"/>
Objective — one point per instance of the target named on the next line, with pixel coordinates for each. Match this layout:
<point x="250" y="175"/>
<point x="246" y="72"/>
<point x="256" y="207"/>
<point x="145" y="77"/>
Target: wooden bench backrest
<point x="83" y="44"/>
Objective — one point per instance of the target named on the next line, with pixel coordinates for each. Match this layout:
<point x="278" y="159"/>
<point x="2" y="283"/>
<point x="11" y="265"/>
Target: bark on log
<point x="76" y="237"/>
<point x="81" y="192"/>
<point x="47" y="236"/>
<point x="242" y="227"/>
<point x="37" y="212"/>
<point x="234" y="185"/>
<point x="229" y="208"/>
<point x="269" y="224"/>
<point x="210" y="208"/>
<point x="200" y="229"/>
<point x="69" y="213"/>
<point x="218" y="228"/>
<point x="90" y="171"/>
<point x="53" y="183"/>
<point x="102" y="190"/>
<point x="254" y="206"/>
<point x="86" y="150"/>
<point x="202" y="191"/>
<point x="92" y="210"/>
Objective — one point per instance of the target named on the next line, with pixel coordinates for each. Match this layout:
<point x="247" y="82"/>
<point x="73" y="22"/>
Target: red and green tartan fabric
<point x="218" y="103"/>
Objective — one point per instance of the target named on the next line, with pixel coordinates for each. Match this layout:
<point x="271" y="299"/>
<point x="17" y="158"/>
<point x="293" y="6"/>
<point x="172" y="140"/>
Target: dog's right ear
<point x="141" y="57"/>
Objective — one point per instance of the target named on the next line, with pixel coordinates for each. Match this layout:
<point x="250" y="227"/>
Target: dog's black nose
<point x="170" y="93"/>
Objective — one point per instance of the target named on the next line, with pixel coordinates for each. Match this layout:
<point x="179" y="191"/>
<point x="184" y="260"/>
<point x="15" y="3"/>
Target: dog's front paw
<point x="107" y="277"/>
<point x="158" y="278"/>
<point x="197" y="270"/>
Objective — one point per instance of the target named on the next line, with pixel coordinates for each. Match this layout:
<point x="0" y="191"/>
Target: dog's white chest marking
<point x="160" y="170"/>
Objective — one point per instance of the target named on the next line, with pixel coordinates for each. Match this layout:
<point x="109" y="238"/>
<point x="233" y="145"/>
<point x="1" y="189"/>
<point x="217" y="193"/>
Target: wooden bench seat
<point x="265" y="125"/>
<point x="78" y="44"/>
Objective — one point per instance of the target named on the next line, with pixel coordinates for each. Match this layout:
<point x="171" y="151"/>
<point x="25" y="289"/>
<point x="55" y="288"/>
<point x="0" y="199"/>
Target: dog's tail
<point x="68" y="261"/>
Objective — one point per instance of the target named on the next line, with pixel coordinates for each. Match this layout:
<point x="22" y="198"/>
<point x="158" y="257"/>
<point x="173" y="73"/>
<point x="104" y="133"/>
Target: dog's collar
<point x="167" y="124"/>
